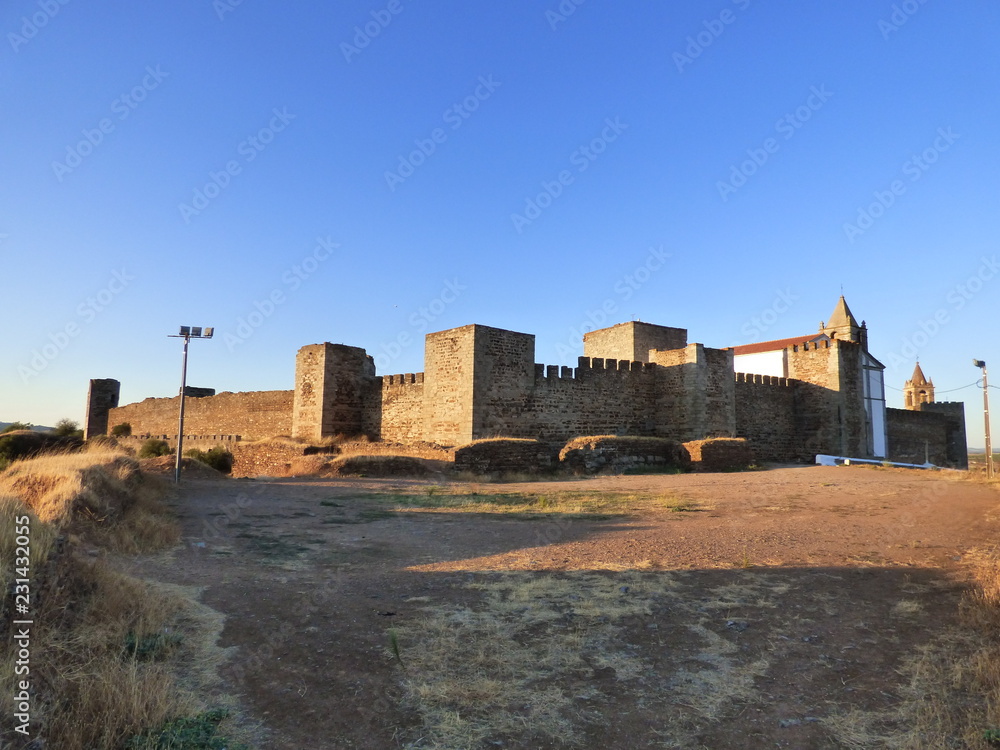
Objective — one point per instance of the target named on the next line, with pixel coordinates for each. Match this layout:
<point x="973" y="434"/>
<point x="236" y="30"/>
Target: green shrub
<point x="14" y="426"/>
<point x="154" y="448"/>
<point x="67" y="428"/>
<point x="121" y="430"/>
<point x="218" y="458"/>
<point x="13" y="447"/>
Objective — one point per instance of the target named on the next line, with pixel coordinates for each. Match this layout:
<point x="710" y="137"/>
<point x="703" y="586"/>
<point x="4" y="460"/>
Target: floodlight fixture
<point x="187" y="333"/>
<point x="986" y="415"/>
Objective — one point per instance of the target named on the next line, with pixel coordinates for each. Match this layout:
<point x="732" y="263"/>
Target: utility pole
<point x="187" y="333"/>
<point x="986" y="411"/>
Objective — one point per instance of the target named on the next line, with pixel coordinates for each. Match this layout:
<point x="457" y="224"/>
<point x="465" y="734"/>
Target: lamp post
<point x="187" y="333"/>
<point x="986" y="411"/>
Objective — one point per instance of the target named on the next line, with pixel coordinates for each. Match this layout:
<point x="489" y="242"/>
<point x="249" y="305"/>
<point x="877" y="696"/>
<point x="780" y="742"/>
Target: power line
<point x="950" y="390"/>
<point x="977" y="384"/>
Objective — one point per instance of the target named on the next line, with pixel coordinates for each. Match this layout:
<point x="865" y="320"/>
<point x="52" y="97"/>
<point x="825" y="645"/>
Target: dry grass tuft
<point x="534" y="662"/>
<point x="105" y="645"/>
<point x="485" y="675"/>
<point x="952" y="699"/>
<point x="101" y="495"/>
<point x="59" y="487"/>
<point x="539" y="504"/>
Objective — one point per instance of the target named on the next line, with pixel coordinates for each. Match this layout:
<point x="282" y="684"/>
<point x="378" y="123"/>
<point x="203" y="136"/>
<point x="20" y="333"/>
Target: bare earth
<point x="776" y="601"/>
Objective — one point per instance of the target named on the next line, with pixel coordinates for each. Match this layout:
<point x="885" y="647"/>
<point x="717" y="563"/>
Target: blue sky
<point x="366" y="172"/>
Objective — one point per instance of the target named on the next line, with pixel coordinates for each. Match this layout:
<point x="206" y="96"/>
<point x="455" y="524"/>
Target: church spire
<point x="842" y="324"/>
<point x="918" y="390"/>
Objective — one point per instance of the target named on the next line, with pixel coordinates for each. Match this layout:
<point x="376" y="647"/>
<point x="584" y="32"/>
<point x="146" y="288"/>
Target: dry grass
<point x="952" y="698"/>
<point x="535" y="662"/>
<point x="104" y="645"/>
<point x="99" y="494"/>
<point x="566" y="503"/>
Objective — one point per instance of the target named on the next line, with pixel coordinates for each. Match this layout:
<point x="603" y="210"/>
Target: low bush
<point x="68" y="428"/>
<point x="154" y="448"/>
<point x="218" y="458"/>
<point x="121" y="430"/>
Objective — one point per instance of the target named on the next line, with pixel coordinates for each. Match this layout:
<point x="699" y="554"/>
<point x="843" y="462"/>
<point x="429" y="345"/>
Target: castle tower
<point x="918" y="390"/>
<point x="102" y="397"/>
<point x="331" y="383"/>
<point x="844" y="326"/>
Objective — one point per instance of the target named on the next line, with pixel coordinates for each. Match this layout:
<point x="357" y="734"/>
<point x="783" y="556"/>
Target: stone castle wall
<point x="935" y="432"/>
<point x="766" y="417"/>
<point x="483" y="382"/>
<point x="102" y="396"/>
<point x="632" y="341"/>
<point x="252" y="416"/>
<point x="394" y="408"/>
<point x="598" y="397"/>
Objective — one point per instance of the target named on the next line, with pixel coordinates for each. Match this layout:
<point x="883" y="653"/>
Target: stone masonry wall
<point x="697" y="393"/>
<point x="252" y="416"/>
<point x="448" y="373"/>
<point x="818" y="408"/>
<point x="915" y="436"/>
<point x="935" y="432"/>
<point x="632" y="341"/>
<point x="332" y="383"/>
<point x="765" y="416"/>
<point x="394" y="408"/>
<point x="102" y="396"/>
<point x="957" y="451"/>
<point x="599" y="397"/>
<point x="503" y="379"/>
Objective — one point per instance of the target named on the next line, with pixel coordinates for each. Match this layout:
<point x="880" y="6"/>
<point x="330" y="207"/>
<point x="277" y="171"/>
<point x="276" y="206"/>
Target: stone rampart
<point x="252" y="416"/>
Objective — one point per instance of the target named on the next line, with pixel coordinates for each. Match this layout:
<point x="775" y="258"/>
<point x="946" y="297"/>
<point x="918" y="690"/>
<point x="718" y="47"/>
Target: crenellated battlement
<point x="409" y="378"/>
<point x="810" y="346"/>
<point x="635" y="378"/>
<point x="749" y="377"/>
<point x="588" y="367"/>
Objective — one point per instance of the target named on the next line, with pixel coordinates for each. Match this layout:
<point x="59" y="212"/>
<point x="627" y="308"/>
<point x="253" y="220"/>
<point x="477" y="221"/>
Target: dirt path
<point x="763" y="606"/>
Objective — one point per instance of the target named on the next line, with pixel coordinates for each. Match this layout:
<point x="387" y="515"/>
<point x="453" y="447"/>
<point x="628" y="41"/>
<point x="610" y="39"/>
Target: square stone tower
<point x="477" y="383"/>
<point x="632" y="340"/>
<point x="102" y="397"/>
<point x="332" y="383"/>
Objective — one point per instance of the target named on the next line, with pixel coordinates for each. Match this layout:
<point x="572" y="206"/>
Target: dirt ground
<point x="758" y="612"/>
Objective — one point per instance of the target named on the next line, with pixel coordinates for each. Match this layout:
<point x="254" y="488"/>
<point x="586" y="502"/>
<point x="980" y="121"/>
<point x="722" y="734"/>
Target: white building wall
<point x="874" y="385"/>
<point x="763" y="363"/>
